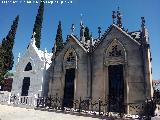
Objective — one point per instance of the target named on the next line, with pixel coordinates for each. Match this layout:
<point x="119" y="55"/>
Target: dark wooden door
<point x="116" y="88"/>
<point x="69" y="88"/>
<point x="25" y="86"/>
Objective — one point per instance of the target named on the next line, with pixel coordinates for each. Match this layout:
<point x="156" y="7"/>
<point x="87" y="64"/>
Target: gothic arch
<point x="28" y="67"/>
<point x="115" y="53"/>
<point x="70" y="59"/>
<point x="69" y="77"/>
<point x="115" y="71"/>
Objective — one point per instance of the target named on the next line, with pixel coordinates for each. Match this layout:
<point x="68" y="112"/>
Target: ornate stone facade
<point x="115" y="67"/>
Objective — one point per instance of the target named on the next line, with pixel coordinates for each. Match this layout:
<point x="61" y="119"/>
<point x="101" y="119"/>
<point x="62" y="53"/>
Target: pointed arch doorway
<point x="69" y="88"/>
<point x="26" y="80"/>
<point x="116" y="88"/>
<point x="115" y="61"/>
<point x="70" y="62"/>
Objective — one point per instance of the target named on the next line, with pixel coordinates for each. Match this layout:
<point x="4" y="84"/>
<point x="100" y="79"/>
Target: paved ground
<point x="16" y="113"/>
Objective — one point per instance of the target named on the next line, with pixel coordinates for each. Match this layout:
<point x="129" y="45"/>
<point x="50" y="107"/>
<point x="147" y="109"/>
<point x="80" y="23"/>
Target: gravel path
<point x="16" y="113"/>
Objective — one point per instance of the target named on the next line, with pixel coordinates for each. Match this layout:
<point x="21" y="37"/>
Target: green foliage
<point x="7" y="46"/>
<point x="38" y="24"/>
<point x="58" y="39"/>
<point x="87" y="34"/>
<point x="8" y="74"/>
<point x="6" y="54"/>
<point x="1" y="65"/>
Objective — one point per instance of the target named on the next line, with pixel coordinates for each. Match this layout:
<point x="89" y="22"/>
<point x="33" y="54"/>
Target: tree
<point x="1" y="64"/>
<point x="6" y="54"/>
<point x="87" y="34"/>
<point x="7" y="45"/>
<point x="38" y="24"/>
<point x="9" y="74"/>
<point x="58" y="39"/>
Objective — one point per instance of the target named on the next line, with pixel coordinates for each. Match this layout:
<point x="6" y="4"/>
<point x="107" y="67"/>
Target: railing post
<point x="14" y="98"/>
<point x="43" y="102"/>
<point x="37" y="102"/>
<point x="108" y="103"/>
<point x="99" y="106"/>
<point x="56" y="100"/>
<point x="80" y="104"/>
<point x="147" y="110"/>
<point x="18" y="97"/>
<point x="49" y="99"/>
<point x="9" y="98"/>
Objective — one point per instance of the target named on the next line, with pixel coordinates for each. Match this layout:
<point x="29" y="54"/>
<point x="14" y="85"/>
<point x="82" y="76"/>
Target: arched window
<point x="70" y="59"/>
<point x="115" y="49"/>
<point x="115" y="53"/>
<point x="28" y="67"/>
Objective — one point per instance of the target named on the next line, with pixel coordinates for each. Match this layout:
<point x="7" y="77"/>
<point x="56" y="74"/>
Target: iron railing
<point x="80" y="106"/>
<point x="99" y="107"/>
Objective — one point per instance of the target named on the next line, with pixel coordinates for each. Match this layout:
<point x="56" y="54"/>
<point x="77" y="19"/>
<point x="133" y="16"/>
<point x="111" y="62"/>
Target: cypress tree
<point x="38" y="24"/>
<point x="6" y="54"/>
<point x="1" y="62"/>
<point x="7" y="45"/>
<point x="58" y="39"/>
<point x="87" y="34"/>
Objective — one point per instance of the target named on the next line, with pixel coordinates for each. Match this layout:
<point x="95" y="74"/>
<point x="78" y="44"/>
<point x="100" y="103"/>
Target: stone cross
<point x="33" y="38"/>
<point x="113" y="16"/>
<point x="81" y="20"/>
<point x="99" y="31"/>
<point x="119" y="18"/>
<point x="143" y="21"/>
<point x="33" y="35"/>
<point x="72" y="28"/>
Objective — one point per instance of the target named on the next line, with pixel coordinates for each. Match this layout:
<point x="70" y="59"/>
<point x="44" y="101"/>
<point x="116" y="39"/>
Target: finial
<point x="33" y="38"/>
<point x="18" y="57"/>
<point x="82" y="30"/>
<point x="81" y="22"/>
<point x="91" y="41"/>
<point x="119" y="18"/>
<point x="99" y="31"/>
<point x="45" y="50"/>
<point x="113" y="16"/>
<point x="144" y="31"/>
<point x="81" y="16"/>
<point x="68" y="36"/>
<point x="72" y="29"/>
<point x="142" y="21"/>
<point x="59" y="22"/>
<point x="91" y="35"/>
<point x="33" y="35"/>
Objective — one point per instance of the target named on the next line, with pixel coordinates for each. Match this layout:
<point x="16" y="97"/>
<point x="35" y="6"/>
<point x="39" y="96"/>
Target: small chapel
<point x="115" y="66"/>
<point x="31" y="77"/>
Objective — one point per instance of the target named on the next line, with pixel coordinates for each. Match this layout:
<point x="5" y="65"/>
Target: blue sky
<point x="95" y="13"/>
